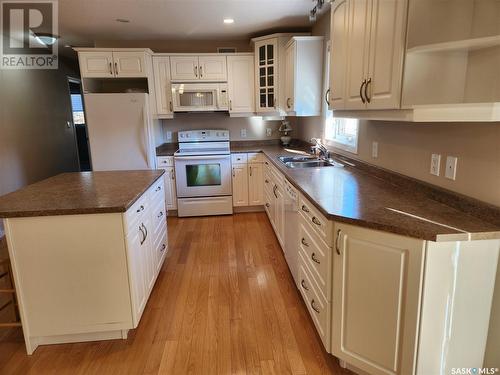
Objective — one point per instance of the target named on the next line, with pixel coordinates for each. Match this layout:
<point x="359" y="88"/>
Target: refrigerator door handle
<point x="147" y="135"/>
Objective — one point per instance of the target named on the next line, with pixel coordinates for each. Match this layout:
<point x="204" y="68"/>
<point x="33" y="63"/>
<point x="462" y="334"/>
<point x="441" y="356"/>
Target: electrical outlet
<point x="169" y="135"/>
<point x="374" y="150"/>
<point x="243" y="133"/>
<point x="269" y="132"/>
<point x="451" y="167"/>
<point x="435" y="164"/>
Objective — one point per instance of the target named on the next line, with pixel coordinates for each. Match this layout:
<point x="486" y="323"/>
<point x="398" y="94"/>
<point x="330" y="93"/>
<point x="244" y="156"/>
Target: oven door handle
<point x="204" y="157"/>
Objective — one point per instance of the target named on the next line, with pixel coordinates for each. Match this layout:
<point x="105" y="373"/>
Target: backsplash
<point x="255" y="127"/>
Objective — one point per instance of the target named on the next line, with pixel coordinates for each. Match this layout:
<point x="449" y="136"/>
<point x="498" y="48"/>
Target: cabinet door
<point x="130" y="64"/>
<point x="376" y="289"/>
<point x="240" y="185"/>
<point x="184" y="68"/>
<point x="290" y="77"/>
<point x="170" y="189"/>
<point x="357" y="52"/>
<point x="338" y="53"/>
<point x="280" y="215"/>
<point x="387" y="44"/>
<point x="266" y="62"/>
<point x="255" y="184"/>
<point x="138" y="269"/>
<point x="96" y="64"/>
<point x="149" y="254"/>
<point x="161" y="70"/>
<point x="212" y="68"/>
<point x="240" y="82"/>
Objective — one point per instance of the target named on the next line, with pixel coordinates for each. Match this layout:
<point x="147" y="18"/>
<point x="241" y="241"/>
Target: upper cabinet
<point x="415" y="60"/>
<point x="267" y="75"/>
<point x="161" y="71"/>
<point x="240" y="82"/>
<point x="198" y="68"/>
<point x="97" y="63"/>
<point x="375" y="45"/>
<point x="303" y="75"/>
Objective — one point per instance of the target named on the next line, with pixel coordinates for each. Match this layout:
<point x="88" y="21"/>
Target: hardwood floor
<point x="224" y="303"/>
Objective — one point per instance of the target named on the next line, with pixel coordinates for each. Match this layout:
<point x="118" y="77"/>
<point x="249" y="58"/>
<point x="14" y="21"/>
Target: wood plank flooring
<point x="224" y="303"/>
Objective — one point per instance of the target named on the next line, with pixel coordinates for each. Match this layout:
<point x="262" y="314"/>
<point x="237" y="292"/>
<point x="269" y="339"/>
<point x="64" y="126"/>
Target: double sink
<point x="296" y="162"/>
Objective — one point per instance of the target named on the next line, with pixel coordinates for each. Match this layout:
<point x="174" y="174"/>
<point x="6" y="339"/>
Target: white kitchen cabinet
<point x="199" y="68"/>
<point x="184" y="68"/>
<point x="240" y="185"/>
<point x="375" y="52"/>
<point x="255" y="184"/>
<point x="113" y="63"/>
<point x="212" y="68"/>
<point x="96" y="64"/>
<point x="376" y="292"/>
<point x="338" y="53"/>
<point x="304" y="57"/>
<point x="267" y="75"/>
<point x="240" y="81"/>
<point x="167" y="164"/>
<point x="163" y="90"/>
<point x="275" y="200"/>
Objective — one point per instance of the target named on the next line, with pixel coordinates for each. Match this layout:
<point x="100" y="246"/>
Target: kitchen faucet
<point x="321" y="148"/>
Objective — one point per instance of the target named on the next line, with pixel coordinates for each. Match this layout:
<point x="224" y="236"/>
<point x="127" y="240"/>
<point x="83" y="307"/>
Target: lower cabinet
<point x="248" y="179"/>
<point x="167" y="164"/>
<point x="376" y="292"/>
<point x="275" y="200"/>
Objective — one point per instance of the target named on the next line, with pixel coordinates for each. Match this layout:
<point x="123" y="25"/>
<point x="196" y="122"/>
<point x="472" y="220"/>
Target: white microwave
<point x="197" y="97"/>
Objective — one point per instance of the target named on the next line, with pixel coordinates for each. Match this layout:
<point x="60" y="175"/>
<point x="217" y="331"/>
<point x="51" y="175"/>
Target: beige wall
<point x="407" y="147"/>
<point x="255" y="126"/>
<point x="34" y="140"/>
<point x="178" y="46"/>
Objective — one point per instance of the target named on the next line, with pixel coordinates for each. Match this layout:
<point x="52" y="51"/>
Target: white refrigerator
<point x="120" y="131"/>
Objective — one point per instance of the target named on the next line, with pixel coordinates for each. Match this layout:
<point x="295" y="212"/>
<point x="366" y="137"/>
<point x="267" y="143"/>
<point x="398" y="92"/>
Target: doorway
<point x="81" y="134"/>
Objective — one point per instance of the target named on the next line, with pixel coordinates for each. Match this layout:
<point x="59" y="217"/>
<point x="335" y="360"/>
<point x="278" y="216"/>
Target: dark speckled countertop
<point x="79" y="193"/>
<point x="353" y="195"/>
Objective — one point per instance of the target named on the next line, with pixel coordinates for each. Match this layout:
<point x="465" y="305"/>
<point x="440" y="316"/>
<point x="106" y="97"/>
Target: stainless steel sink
<point x="296" y="159"/>
<point x="313" y="164"/>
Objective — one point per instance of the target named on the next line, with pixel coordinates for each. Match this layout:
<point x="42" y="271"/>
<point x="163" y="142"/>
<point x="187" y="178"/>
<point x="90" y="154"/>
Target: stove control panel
<point x="212" y="135"/>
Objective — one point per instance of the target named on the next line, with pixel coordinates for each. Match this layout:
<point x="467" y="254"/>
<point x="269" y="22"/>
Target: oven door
<point x="203" y="176"/>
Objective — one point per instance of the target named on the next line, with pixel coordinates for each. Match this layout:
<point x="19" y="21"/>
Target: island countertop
<point x="79" y="194"/>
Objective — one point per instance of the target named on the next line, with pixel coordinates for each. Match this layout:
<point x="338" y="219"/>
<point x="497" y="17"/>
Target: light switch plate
<point x="169" y="135"/>
<point x="374" y="150"/>
<point x="269" y="132"/>
<point x="451" y="167"/>
<point x="243" y="133"/>
<point x="435" y="164"/>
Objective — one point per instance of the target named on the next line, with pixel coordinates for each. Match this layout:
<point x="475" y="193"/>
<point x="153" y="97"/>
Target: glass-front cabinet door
<point x="266" y="62"/>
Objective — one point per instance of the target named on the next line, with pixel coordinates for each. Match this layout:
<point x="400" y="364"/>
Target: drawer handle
<point x="305" y="209"/>
<point x="268" y="205"/>
<point x="158" y="188"/>
<point x="160" y="214"/>
<point x="337" y="249"/>
<point x="313" y="257"/>
<point x="163" y="248"/>
<point x="274" y="191"/>
<point x="316" y="221"/>
<point x="143" y="235"/>
<point x="304" y="242"/>
<point x="145" y="231"/>
<point x="313" y="306"/>
<point x="303" y="284"/>
<point x="140" y="209"/>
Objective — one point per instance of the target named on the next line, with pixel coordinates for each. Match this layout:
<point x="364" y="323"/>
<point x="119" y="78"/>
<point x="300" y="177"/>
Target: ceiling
<point x="82" y="22"/>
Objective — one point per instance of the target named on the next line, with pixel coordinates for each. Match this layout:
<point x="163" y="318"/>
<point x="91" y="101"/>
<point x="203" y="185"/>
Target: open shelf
<point x="458" y="45"/>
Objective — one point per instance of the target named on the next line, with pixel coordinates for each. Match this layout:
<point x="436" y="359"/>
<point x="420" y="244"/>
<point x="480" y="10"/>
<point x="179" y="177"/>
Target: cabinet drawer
<point x="239" y="158"/>
<point x="318" y="257"/>
<point x="158" y="212"/>
<point x="157" y="190"/>
<point x="136" y="214"/>
<point x="318" y="308"/>
<point x="165" y="161"/>
<point x="256" y="157"/>
<point x="316" y="220"/>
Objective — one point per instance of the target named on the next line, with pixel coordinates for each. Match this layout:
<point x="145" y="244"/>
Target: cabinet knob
<point x="140" y="209"/>
<point x="163" y="247"/>
<point x="316" y="221"/>
<point x="304" y="242"/>
<point x="305" y="209"/>
<point x="315" y="260"/>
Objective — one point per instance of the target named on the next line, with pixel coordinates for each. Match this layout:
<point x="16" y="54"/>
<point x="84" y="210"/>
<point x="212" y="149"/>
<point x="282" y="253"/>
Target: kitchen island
<point x="86" y="249"/>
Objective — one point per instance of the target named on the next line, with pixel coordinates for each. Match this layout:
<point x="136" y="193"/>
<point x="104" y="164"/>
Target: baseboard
<point x="248" y="209"/>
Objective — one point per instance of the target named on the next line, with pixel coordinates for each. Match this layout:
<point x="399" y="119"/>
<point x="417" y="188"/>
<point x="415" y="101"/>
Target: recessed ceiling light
<point x="122" y="20"/>
<point x="228" y="21"/>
